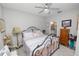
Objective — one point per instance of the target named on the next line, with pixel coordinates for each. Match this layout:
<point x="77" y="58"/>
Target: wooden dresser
<point x="64" y="36"/>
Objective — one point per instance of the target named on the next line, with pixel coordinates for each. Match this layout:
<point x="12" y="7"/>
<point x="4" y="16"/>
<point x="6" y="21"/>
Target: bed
<point x="35" y="43"/>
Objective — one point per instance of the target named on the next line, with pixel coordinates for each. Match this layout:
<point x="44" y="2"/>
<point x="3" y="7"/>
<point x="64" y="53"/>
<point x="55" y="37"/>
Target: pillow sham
<point x="28" y="35"/>
<point x="37" y="33"/>
<point x="32" y="35"/>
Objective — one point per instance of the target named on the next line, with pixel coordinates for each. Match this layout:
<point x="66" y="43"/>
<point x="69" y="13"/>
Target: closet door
<point x="64" y="34"/>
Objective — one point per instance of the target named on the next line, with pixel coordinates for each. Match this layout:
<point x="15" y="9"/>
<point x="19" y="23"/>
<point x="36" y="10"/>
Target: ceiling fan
<point x="46" y="7"/>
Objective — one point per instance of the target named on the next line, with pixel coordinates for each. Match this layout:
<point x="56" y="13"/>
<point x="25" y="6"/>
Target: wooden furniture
<point x="64" y="36"/>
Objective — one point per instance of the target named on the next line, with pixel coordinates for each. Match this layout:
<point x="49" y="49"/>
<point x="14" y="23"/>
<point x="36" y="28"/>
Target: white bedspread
<point x="31" y="44"/>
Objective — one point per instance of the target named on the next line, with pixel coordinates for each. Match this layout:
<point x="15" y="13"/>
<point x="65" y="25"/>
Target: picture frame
<point x="66" y="23"/>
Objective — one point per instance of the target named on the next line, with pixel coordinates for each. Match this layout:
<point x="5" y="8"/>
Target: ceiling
<point x="30" y="7"/>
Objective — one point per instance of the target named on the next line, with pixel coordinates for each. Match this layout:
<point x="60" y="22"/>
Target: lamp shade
<point x="16" y="30"/>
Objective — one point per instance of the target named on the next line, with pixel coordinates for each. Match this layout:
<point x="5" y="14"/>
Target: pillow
<point x="37" y="33"/>
<point x="28" y="35"/>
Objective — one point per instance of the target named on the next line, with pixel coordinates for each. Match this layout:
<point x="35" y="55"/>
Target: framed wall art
<point x="66" y="23"/>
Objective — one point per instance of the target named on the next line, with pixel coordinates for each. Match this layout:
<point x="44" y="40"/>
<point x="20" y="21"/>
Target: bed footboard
<point x="46" y="49"/>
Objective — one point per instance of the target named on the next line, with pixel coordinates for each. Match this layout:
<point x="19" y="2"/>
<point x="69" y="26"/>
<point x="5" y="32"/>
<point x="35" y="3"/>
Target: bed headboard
<point x="31" y="29"/>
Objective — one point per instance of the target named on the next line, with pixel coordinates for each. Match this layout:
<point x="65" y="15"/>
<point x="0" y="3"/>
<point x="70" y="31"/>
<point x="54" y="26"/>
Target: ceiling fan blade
<point x="49" y="12"/>
<point x="40" y="7"/>
<point x="43" y="5"/>
<point x="48" y="4"/>
<point x="41" y="11"/>
<point x="54" y="8"/>
<point x="60" y="11"/>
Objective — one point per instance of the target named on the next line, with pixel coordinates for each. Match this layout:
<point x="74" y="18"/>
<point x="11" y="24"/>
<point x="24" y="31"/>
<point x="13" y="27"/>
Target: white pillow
<point x="28" y="35"/>
<point x="37" y="33"/>
<point x="40" y="33"/>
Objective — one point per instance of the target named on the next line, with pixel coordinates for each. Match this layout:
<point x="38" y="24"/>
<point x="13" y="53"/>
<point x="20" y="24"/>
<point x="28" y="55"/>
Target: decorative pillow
<point x="28" y="35"/>
<point x="37" y="33"/>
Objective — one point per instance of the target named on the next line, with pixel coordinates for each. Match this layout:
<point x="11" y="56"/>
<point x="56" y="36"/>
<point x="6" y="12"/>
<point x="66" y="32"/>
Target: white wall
<point x="1" y="11"/>
<point x="24" y="20"/>
<point x="21" y="19"/>
<point x="1" y="41"/>
<point x="64" y="16"/>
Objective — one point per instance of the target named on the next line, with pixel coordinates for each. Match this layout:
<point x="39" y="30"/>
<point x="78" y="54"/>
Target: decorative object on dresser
<point x="16" y="31"/>
<point x="7" y="40"/>
<point x="64" y="36"/>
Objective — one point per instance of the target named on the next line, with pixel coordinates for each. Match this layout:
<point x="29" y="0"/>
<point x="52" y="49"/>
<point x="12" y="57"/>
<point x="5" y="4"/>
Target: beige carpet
<point x="62" y="51"/>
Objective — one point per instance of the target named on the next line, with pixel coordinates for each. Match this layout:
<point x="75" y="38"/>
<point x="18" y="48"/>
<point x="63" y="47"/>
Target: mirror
<point x="53" y="27"/>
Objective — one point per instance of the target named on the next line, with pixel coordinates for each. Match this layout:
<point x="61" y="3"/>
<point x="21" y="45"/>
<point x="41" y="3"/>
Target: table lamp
<point x="17" y="31"/>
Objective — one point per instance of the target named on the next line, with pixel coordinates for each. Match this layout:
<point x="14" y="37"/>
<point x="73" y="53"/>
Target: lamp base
<point x="17" y="47"/>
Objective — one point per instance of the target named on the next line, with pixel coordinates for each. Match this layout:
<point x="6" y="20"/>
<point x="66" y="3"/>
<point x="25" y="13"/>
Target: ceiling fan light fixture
<point x="46" y="10"/>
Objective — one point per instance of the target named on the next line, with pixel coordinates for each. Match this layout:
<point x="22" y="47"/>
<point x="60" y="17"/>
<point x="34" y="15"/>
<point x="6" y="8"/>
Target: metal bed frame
<point x="32" y="28"/>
